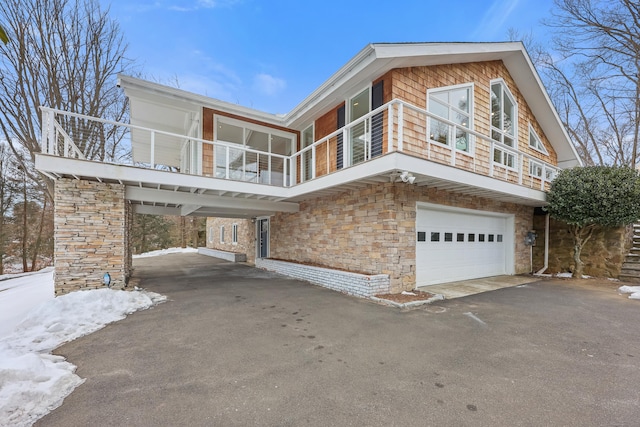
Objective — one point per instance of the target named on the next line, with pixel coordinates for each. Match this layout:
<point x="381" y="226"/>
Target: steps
<point x="631" y="267"/>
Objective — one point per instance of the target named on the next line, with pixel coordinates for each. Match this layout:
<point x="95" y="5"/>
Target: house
<point x="414" y="164"/>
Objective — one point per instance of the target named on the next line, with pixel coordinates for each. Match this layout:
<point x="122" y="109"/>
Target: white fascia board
<point x="204" y="200"/>
<point x="419" y="166"/>
<point x="107" y="171"/>
<point x="130" y="84"/>
<point x="186" y="210"/>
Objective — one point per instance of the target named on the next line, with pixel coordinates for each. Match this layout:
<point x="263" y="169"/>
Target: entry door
<point x="263" y="238"/>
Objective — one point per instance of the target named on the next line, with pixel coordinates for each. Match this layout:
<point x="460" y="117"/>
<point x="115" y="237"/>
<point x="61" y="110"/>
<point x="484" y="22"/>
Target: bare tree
<point x="593" y="74"/>
<point x="64" y="54"/>
<point x="8" y="192"/>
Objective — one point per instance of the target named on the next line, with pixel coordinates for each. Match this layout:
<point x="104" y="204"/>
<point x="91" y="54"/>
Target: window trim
<point x="532" y="164"/>
<point x="471" y="87"/>
<point x="210" y="234"/>
<point x="542" y="149"/>
<point x="222" y="234"/>
<point x="505" y="88"/>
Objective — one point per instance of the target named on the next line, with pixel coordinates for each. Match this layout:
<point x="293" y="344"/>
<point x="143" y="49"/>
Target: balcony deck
<point x="243" y="182"/>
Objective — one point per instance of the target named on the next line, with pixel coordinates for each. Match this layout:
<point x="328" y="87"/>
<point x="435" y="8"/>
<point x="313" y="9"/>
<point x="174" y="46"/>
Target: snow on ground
<point x="633" y="291"/>
<point x="33" y="323"/>
<point x="166" y="251"/>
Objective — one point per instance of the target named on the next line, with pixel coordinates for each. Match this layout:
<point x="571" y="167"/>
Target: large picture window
<point x="504" y="120"/>
<point x="453" y="103"/>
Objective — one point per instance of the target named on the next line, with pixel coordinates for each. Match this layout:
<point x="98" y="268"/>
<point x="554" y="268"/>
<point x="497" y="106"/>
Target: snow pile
<point x="634" y="291"/>
<point x="166" y="251"/>
<point x="34" y="382"/>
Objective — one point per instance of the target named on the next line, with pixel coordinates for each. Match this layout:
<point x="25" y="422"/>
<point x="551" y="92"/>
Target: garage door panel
<point x="459" y="245"/>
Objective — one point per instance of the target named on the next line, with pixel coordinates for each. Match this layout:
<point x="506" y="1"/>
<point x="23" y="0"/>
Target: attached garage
<point x="460" y="244"/>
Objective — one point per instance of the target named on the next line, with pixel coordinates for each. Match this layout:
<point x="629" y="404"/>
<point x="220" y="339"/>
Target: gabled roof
<point x="370" y="63"/>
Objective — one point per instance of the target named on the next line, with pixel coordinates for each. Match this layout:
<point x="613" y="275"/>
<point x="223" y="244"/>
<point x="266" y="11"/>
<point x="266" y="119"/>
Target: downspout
<point x="546" y="245"/>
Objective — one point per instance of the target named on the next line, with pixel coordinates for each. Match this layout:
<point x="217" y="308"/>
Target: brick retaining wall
<point x="361" y="285"/>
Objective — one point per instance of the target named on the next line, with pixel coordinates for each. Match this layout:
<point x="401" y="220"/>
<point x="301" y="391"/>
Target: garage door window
<point x="435" y="237"/>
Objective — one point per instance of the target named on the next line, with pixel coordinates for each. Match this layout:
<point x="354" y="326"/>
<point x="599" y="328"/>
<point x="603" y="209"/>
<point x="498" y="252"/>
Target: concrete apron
<point x="476" y="286"/>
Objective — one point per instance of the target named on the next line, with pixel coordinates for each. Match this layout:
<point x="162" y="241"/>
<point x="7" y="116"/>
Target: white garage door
<point x="461" y="244"/>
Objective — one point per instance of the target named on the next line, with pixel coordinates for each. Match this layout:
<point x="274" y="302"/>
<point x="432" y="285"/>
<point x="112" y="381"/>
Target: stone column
<point x="90" y="234"/>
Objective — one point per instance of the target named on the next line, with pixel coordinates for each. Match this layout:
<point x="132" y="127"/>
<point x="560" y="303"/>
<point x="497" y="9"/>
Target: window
<point x="471" y="237"/>
<point x="234" y="234"/>
<point x="535" y="142"/>
<point x="359" y="106"/>
<point x="480" y="237"/>
<point x="307" y="140"/>
<point x="448" y="237"/>
<point x="504" y="157"/>
<point x="503" y="114"/>
<point x="453" y="104"/>
<point x="435" y="237"/>
<point x="491" y="237"/>
<point x="222" y="234"/>
<point x="460" y="237"/>
<point x="210" y="234"/>
<point x="499" y="238"/>
<point x="422" y="236"/>
<point x="535" y="169"/>
<point x="549" y="174"/>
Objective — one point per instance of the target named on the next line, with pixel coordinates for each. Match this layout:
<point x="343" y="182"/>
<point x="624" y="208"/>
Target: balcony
<point x="232" y="168"/>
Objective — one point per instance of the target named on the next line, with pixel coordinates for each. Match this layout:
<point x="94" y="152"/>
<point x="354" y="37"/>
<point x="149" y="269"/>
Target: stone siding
<point x="603" y="255"/>
<point x="372" y="230"/>
<point x="360" y="285"/>
<point x="246" y="236"/>
<point x="90" y="232"/>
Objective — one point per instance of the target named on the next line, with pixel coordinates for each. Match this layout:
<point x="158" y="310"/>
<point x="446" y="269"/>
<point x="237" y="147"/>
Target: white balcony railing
<point x="395" y="126"/>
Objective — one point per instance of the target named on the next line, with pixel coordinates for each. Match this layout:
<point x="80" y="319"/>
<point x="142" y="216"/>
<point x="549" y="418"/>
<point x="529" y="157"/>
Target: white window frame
<point x="505" y="89"/>
<point x="210" y="234"/>
<point x="533" y="166"/>
<point x="539" y="147"/>
<point x="504" y="155"/>
<point x="234" y="234"/>
<point x="222" y="234"/>
<point x="451" y="109"/>
<point x="303" y="157"/>
<point x="346" y="144"/>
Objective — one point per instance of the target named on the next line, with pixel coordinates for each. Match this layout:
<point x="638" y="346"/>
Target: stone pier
<point x="92" y="225"/>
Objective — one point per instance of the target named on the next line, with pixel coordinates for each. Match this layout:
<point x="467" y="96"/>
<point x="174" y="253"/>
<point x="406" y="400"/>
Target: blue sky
<point x="270" y="55"/>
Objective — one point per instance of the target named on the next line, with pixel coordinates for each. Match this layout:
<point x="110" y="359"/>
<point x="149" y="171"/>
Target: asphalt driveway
<point x="238" y="346"/>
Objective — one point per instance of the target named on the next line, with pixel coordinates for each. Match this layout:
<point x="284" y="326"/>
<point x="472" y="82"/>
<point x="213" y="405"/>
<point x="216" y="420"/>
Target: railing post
<point x="453" y="144"/>
<point x="153" y="149"/>
<point x="400" y="127"/>
<point x="520" y="167"/>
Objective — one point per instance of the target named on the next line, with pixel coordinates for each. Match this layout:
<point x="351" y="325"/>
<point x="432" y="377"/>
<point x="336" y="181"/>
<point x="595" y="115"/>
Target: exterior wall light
<point x="407" y="177"/>
<point x="106" y="279"/>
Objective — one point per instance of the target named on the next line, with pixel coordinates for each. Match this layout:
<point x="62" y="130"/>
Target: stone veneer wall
<point x="372" y="230"/>
<point x="246" y="236"/>
<point x="603" y="254"/>
<point x="90" y="233"/>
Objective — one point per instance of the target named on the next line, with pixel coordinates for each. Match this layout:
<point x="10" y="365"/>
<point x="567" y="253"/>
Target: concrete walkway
<point x="465" y="288"/>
